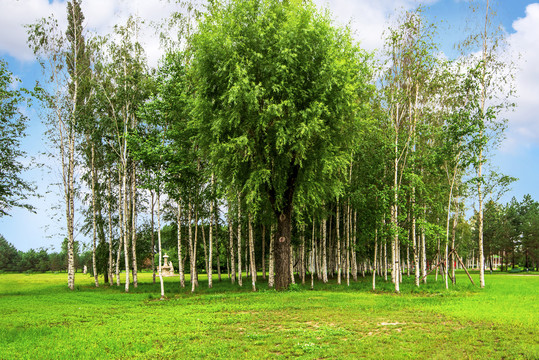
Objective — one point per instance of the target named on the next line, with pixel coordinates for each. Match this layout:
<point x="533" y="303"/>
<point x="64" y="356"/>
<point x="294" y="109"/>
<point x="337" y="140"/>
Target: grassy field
<point x="41" y="319"/>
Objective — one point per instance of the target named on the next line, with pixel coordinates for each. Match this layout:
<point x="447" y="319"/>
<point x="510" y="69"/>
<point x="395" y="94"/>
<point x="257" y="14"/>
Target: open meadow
<point x="42" y="319"/>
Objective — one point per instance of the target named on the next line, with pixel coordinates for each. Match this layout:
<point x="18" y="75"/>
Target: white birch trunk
<point x="94" y="217"/>
<point x="111" y="277"/>
<point x="240" y="282"/>
<point x="374" y="265"/>
<point x="263" y="251"/>
<point x="159" y="245"/>
<point x="180" y="256"/>
<point x="271" y="270"/>
<point x="231" y="247"/>
<point x="210" y="238"/>
<point x="338" y="239"/>
<point x="252" y="254"/>
<point x="134" y="225"/>
<point x="324" y="256"/>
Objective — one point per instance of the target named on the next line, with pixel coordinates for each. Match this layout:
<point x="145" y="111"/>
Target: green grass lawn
<point x="41" y="319"/>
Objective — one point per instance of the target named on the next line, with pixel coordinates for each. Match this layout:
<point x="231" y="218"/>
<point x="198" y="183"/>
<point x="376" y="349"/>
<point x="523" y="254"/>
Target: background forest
<point x="267" y="141"/>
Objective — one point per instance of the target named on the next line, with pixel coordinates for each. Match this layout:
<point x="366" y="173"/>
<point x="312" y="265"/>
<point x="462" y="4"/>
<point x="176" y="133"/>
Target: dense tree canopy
<point x="281" y="92"/>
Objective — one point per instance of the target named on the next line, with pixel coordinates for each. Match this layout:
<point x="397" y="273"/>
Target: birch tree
<point x="66" y="64"/>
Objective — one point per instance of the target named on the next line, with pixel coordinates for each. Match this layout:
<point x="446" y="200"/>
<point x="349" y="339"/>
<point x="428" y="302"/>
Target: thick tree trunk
<point x="282" y="250"/>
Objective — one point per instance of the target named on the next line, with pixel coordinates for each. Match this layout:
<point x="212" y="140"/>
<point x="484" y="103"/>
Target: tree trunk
<point x="302" y="254"/>
<point x="480" y="159"/>
<point x="205" y="246"/>
<point x="354" y="241"/>
<point x="210" y="238"/>
<point x="191" y="248"/>
<point x="348" y="230"/>
<point x="324" y="252"/>
<point x="118" y="256"/>
<point x="70" y="208"/>
<point x="313" y="255"/>
<point x="122" y="229"/>
<point x="94" y="220"/>
<point x="217" y="242"/>
<point x="240" y="282"/>
<point x="424" y="248"/>
<point x="134" y="225"/>
<point x="109" y="182"/>
<point x="374" y="266"/>
<point x="338" y="239"/>
<point x="385" y="260"/>
<point x="231" y="246"/>
<point x="282" y="250"/>
<point x="125" y="222"/>
<point x="263" y="251"/>
<point x="271" y="270"/>
<point x="292" y="279"/>
<point x="415" y="248"/>
<point x="252" y="253"/>
<point x="159" y="245"/>
<point x="180" y="262"/>
<point x="453" y="238"/>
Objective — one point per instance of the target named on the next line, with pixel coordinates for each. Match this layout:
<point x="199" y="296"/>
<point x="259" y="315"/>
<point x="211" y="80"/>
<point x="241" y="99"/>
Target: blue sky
<point x="518" y="155"/>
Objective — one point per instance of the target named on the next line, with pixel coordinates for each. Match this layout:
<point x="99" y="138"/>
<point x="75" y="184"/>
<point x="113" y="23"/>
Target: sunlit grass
<point x="42" y="319"/>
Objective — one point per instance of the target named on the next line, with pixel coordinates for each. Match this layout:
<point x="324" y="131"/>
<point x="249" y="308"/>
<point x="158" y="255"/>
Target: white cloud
<point x="368" y="19"/>
<point x="17" y="13"/>
<point x="523" y="130"/>
<point x="100" y="18"/>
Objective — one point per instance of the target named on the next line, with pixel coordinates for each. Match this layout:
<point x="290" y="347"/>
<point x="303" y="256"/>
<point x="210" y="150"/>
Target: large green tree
<point x="281" y="92"/>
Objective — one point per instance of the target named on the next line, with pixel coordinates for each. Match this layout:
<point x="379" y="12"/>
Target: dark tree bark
<point x="282" y="250"/>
